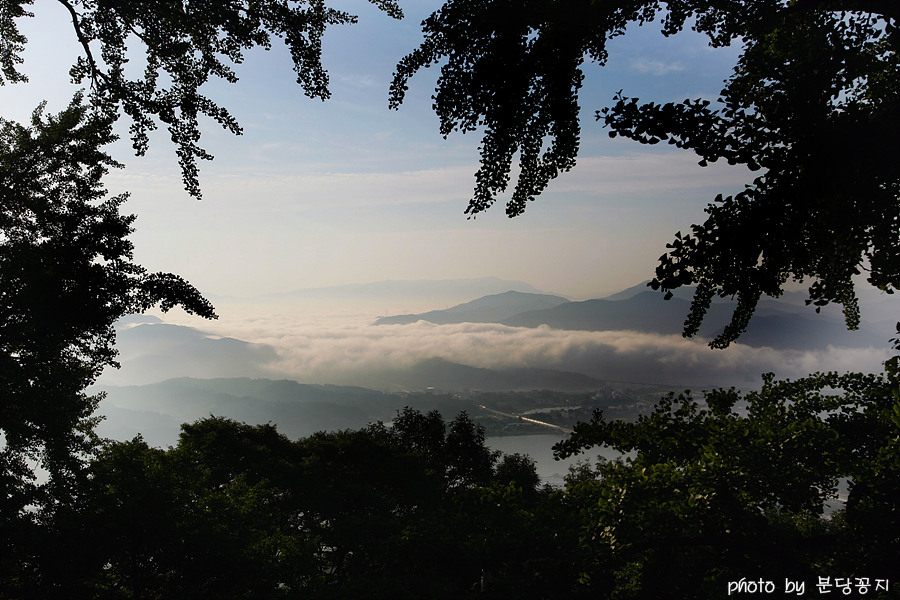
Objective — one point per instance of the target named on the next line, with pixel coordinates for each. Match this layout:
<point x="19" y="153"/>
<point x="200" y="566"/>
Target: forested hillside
<point x="741" y="489"/>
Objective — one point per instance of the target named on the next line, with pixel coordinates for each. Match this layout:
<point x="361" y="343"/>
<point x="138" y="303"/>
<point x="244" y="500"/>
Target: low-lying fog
<point x="331" y="342"/>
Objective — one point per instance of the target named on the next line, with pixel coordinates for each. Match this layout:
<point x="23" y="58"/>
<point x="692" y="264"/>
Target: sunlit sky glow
<point x="346" y="191"/>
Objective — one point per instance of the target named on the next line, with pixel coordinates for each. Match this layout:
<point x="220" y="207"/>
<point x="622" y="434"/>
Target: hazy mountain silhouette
<point x="685" y="293"/>
<point x="444" y="375"/>
<point x="646" y="312"/>
<point x="777" y="324"/>
<point x="488" y="309"/>
<point x="799" y="332"/>
<point x="152" y="351"/>
<point x="156" y="410"/>
<point x="136" y="319"/>
<point x="298" y="409"/>
<point x="877" y="307"/>
<point x="789" y="302"/>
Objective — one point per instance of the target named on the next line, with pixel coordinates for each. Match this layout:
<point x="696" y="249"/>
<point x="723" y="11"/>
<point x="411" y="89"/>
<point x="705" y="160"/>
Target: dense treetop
<point x="66" y="275"/>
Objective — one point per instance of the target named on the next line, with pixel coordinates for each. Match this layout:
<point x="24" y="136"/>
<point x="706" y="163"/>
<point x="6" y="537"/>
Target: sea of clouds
<point x="343" y="346"/>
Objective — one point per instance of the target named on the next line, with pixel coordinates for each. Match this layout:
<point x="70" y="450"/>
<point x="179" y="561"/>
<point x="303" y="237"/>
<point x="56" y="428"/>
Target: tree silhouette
<point x="736" y="487"/>
<point x="812" y="104"/>
<point x="66" y="275"/>
<point x="240" y="510"/>
<point x="66" y="268"/>
<point x="184" y="44"/>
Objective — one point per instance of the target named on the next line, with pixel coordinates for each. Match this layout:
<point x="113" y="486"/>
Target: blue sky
<point x="346" y="191"/>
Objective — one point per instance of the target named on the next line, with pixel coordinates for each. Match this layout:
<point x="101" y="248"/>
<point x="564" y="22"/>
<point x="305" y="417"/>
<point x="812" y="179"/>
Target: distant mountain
<point x="153" y="351"/>
<point x="789" y="301"/>
<point x="813" y="332"/>
<point x="156" y="410"/>
<point x="447" y="376"/>
<point x="875" y="305"/>
<point x="646" y="312"/>
<point x="298" y="409"/>
<point x="488" y="309"/>
<point x="685" y="293"/>
<point x="136" y="319"/>
<point x="637" y="309"/>
<point x="776" y="324"/>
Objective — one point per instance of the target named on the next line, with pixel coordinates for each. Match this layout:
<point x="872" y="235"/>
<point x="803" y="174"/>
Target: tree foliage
<point x="708" y="492"/>
<point x="183" y="46"/>
<point x="735" y="486"/>
<point x="238" y="510"/>
<point x="66" y="264"/>
<point x="66" y="275"/>
<point x="738" y="486"/>
<point x="811" y="105"/>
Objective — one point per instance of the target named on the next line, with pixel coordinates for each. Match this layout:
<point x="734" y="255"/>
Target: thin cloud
<point x="280" y="189"/>
<point x="636" y="173"/>
<point x="656" y="67"/>
<point x="649" y="173"/>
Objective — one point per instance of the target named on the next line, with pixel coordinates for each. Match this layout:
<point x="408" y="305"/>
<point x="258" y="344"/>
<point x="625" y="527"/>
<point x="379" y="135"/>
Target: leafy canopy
<point x="237" y="510"/>
<point x="811" y="105"/>
<point x="66" y="275"/>
<point x="66" y="268"/>
<point x="184" y="44"/>
<point x="741" y="485"/>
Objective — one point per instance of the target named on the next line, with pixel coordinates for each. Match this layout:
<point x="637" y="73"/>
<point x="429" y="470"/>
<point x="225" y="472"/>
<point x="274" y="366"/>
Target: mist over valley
<point x="330" y="358"/>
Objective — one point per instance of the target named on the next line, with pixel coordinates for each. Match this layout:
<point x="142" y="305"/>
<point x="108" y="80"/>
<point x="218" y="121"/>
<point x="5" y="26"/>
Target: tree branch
<point x="886" y="8"/>
<point x="96" y="73"/>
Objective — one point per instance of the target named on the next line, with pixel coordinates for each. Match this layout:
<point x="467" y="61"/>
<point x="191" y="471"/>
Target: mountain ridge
<point x="487" y="309"/>
<point x="155" y="410"/>
<point x="776" y="324"/>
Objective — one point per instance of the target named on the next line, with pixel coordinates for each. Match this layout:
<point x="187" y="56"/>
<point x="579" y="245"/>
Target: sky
<point x="317" y="194"/>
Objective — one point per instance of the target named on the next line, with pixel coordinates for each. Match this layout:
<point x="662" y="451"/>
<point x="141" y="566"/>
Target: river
<point x="539" y="447"/>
